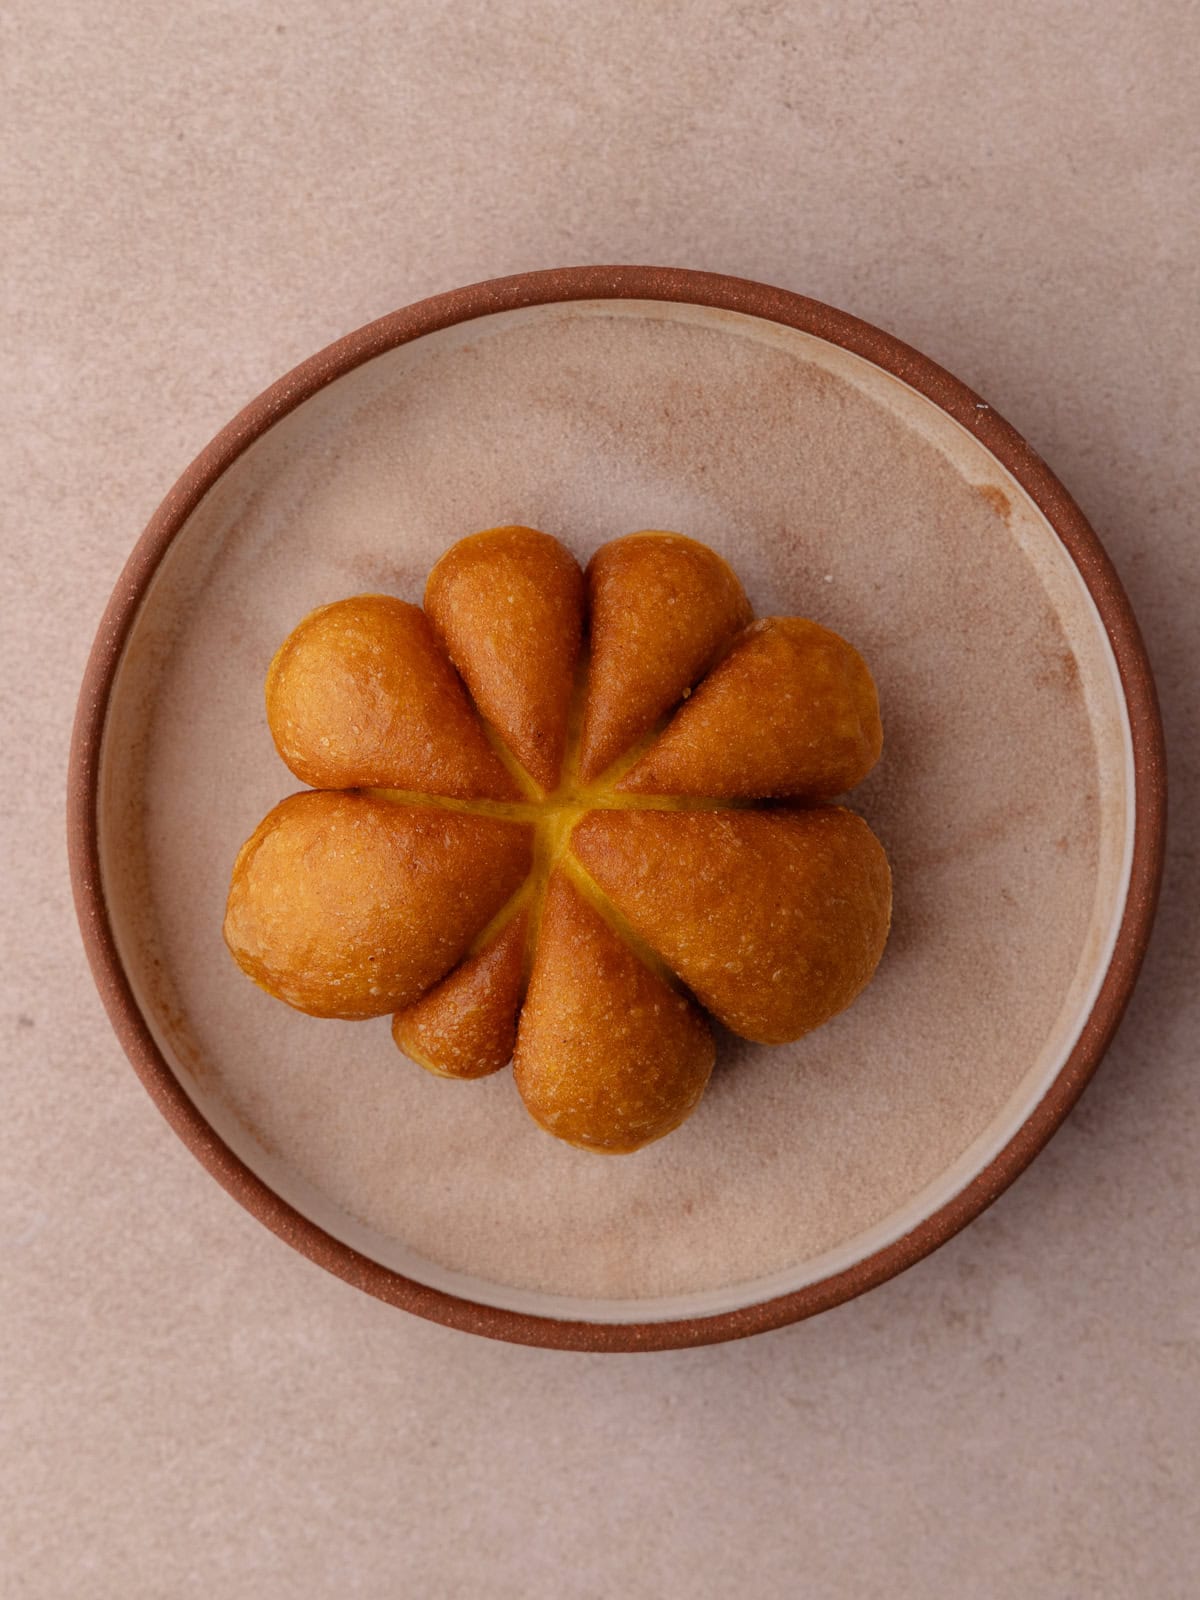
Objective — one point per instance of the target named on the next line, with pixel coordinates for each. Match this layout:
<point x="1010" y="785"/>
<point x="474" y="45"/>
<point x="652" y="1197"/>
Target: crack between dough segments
<point x="554" y="817"/>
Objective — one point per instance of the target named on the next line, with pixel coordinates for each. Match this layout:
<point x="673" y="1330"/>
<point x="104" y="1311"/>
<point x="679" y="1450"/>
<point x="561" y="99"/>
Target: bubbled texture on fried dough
<point x="466" y="1026"/>
<point x="608" y="1055"/>
<point x="361" y="695"/>
<point x="775" y="920"/>
<point x="508" y="605"/>
<point x="790" y="712"/>
<point x="661" y="608"/>
<point x="540" y="880"/>
<point x="347" y="906"/>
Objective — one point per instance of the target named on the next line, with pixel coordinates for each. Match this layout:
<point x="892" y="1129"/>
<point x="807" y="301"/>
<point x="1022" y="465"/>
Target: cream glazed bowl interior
<point x="845" y="478"/>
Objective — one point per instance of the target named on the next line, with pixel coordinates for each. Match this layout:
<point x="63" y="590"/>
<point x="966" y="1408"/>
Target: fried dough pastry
<point x="508" y="606"/>
<point x="466" y="1026"/>
<point x="609" y="1055"/>
<point x="522" y="860"/>
<point x="361" y="694"/>
<point x="662" y="609"/>
<point x="775" y="920"/>
<point x="347" y="906"/>
<point x="815" y="730"/>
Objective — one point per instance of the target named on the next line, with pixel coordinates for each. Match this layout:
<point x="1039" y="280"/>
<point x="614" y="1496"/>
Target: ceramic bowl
<point x="846" y="477"/>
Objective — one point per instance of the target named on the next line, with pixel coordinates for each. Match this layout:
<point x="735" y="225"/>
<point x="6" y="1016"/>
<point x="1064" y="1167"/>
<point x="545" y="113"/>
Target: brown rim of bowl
<point x="619" y="283"/>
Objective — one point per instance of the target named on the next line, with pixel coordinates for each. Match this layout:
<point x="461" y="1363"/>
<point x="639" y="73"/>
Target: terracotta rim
<point x="619" y="283"/>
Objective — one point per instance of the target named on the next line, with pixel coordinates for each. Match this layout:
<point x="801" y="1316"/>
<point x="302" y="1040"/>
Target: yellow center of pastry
<point x="554" y="817"/>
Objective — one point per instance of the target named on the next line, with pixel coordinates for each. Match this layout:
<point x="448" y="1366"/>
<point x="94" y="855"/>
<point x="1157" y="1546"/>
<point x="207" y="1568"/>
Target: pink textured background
<point x="194" y="198"/>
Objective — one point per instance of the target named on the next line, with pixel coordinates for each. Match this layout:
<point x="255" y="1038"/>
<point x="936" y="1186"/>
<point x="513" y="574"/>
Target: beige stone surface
<point x="194" y="198"/>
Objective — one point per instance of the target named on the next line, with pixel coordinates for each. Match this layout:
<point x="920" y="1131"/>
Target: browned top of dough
<point x="791" y="710"/>
<point x="610" y="1055"/>
<point x="346" y="906"/>
<point x="508" y="606"/>
<point x="466" y="1026"/>
<point x="567" y="866"/>
<point x="662" y="609"/>
<point x="360" y="694"/>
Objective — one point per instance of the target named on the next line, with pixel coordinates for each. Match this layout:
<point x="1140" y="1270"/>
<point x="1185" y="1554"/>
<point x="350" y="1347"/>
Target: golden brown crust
<point x="661" y="609"/>
<point x="790" y="712"/>
<point x="445" y="850"/>
<point x="466" y="1026"/>
<point x="608" y="1056"/>
<point x="508" y="606"/>
<point x="348" y="906"/>
<point x="361" y="695"/>
<point x="775" y="920"/>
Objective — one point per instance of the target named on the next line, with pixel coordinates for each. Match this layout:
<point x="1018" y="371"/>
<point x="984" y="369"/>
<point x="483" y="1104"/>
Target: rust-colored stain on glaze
<point x="997" y="499"/>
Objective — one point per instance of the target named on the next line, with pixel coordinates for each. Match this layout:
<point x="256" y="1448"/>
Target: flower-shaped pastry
<point x="545" y="825"/>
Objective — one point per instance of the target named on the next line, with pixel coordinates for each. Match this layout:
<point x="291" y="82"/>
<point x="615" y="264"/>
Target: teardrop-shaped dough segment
<point x="661" y="609"/>
<point x="790" y="712"/>
<point x="466" y="1026"/>
<point x="609" y="1057"/>
<point x="775" y="920"/>
<point x="347" y="906"/>
<point x="508" y="606"/>
<point x="361" y="695"/>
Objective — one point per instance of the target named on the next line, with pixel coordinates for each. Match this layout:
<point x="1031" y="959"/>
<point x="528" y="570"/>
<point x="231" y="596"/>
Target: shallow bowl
<point x="1020" y="797"/>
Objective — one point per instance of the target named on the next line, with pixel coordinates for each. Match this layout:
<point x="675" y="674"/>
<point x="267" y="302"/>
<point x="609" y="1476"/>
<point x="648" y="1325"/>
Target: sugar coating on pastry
<point x="527" y="847"/>
<point x="661" y="609"/>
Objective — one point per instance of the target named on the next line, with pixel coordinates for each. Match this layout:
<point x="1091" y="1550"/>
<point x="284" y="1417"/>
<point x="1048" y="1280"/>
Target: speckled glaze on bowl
<point x="1021" y="797"/>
